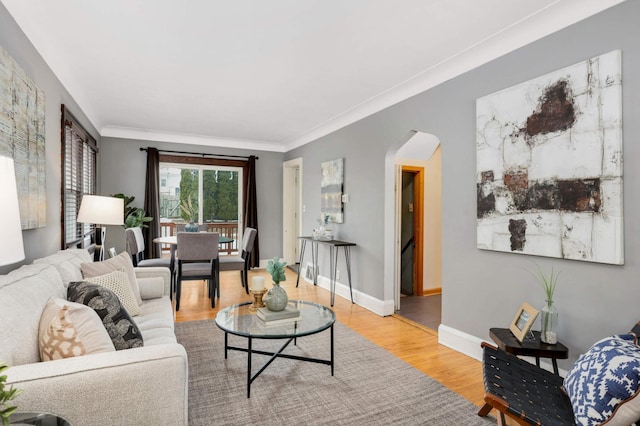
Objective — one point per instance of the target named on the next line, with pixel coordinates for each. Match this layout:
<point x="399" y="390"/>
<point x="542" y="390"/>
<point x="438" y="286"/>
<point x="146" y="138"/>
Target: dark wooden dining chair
<point x="242" y="261"/>
<point x="197" y="255"/>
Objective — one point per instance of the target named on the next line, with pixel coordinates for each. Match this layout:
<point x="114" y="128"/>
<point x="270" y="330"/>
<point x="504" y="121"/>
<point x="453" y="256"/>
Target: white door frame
<point x="397" y="232"/>
<point x="291" y="209"/>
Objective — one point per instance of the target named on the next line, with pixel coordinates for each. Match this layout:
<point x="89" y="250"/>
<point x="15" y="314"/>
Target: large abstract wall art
<point x="549" y="164"/>
<point x="22" y="137"/>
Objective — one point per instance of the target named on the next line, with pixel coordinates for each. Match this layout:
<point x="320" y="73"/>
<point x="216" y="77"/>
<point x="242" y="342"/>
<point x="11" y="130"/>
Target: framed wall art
<point x="22" y="137"/>
<point x="331" y="187"/>
<point x="549" y="164"/>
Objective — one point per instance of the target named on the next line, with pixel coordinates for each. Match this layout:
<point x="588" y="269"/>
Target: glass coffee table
<point x="239" y="321"/>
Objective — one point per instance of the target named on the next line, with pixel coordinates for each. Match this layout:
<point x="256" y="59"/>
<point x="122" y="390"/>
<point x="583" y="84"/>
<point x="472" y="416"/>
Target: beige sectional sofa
<point x="146" y="385"/>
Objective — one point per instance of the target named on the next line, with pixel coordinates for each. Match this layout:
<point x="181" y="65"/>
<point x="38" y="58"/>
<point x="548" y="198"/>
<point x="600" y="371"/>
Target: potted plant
<point x="548" y="312"/>
<point x="133" y="216"/>
<point x="6" y="395"/>
<point x="276" y="298"/>
<point x="189" y="213"/>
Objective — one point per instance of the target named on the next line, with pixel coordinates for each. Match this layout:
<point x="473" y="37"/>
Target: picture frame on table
<point x="523" y="321"/>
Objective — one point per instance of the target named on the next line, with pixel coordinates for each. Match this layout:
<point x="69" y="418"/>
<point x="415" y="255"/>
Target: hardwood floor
<point x="409" y="341"/>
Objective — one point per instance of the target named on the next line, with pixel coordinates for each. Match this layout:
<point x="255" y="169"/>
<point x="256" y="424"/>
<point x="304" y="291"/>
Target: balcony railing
<point x="225" y="229"/>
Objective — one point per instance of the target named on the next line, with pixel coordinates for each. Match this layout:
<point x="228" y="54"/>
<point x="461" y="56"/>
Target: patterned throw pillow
<point x="122" y="329"/>
<point x="70" y="329"/>
<point x="118" y="282"/>
<point x="603" y="384"/>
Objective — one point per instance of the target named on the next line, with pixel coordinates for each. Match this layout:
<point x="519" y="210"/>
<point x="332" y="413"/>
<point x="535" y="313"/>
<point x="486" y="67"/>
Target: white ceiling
<point x="269" y="75"/>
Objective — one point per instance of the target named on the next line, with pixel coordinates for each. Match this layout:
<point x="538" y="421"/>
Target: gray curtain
<point x="152" y="203"/>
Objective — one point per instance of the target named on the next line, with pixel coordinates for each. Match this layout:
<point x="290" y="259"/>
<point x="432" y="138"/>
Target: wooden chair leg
<point x="485" y="410"/>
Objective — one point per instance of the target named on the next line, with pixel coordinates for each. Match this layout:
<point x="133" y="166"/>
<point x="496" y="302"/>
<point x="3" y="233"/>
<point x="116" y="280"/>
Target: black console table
<point x="334" y="246"/>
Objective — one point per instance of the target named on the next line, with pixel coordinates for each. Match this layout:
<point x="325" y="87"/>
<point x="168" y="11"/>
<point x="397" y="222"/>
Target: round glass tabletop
<point x="239" y="320"/>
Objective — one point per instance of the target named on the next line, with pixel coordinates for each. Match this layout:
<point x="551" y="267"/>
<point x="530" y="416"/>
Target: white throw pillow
<point x="118" y="282"/>
<point x="70" y="329"/>
<point x="94" y="269"/>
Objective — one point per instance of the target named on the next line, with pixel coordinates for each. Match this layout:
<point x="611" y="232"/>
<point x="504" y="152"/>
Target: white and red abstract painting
<point x="549" y="164"/>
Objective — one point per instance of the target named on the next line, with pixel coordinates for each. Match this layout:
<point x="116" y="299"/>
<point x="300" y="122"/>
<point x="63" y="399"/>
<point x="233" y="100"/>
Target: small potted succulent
<point x="276" y="298"/>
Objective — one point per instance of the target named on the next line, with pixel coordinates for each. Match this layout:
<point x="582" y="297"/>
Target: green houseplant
<point x="189" y="213"/>
<point x="548" y="312"/>
<point x="133" y="216"/>
<point x="276" y="298"/>
<point x="6" y="394"/>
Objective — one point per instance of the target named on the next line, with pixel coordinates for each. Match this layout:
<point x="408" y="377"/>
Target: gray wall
<point x="42" y="241"/>
<point x="483" y="289"/>
<point x="123" y="168"/>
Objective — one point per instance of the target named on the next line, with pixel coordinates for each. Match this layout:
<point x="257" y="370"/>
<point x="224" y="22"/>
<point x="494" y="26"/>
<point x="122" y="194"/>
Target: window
<point x="79" y="152"/>
<point x="201" y="193"/>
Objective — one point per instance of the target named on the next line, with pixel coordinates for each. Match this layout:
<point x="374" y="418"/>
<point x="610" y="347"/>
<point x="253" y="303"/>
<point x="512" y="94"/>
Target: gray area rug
<point x="370" y="386"/>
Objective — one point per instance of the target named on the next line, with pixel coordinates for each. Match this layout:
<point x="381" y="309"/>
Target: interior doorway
<point x="291" y="210"/>
<point x="411" y="224"/>
<point x="418" y="230"/>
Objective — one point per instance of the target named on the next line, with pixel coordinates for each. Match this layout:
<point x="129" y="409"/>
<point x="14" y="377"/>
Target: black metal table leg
<point x="333" y="268"/>
<point x="332" y="364"/>
<point x="314" y="256"/>
<point x="249" y="368"/>
<point x="347" y="258"/>
<point x="302" y="246"/>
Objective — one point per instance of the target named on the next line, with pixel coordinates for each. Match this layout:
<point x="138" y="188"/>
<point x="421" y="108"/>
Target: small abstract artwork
<point x="331" y="186"/>
<point x="549" y="164"/>
<point x="22" y="137"/>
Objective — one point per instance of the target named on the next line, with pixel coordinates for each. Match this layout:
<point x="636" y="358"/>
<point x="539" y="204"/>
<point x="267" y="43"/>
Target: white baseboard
<point x="377" y="306"/>
<point x="460" y="341"/>
<point x="470" y="345"/>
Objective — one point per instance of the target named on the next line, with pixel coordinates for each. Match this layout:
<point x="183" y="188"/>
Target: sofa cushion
<point x="93" y="269"/>
<point x="70" y="329"/>
<point x="67" y="262"/>
<point x="603" y="383"/>
<point x="121" y="327"/>
<point x="118" y="282"/>
<point x="24" y="292"/>
<point x="151" y="287"/>
<point x="155" y="313"/>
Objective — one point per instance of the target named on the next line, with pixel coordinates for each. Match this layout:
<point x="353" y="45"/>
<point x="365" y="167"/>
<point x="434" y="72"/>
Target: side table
<point x="530" y="346"/>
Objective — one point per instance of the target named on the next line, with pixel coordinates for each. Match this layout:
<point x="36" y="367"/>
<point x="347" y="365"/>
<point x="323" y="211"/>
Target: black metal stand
<point x="278" y="354"/>
<point x="334" y="248"/>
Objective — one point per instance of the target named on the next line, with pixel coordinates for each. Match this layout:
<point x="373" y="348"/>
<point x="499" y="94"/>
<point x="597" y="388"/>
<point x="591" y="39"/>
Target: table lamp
<point x="12" y="248"/>
<point x="101" y="211"/>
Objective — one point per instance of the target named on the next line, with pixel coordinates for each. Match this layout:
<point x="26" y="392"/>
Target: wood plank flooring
<point x="409" y="341"/>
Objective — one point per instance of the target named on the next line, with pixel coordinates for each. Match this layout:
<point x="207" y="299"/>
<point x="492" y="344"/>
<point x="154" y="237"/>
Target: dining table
<point x="172" y="240"/>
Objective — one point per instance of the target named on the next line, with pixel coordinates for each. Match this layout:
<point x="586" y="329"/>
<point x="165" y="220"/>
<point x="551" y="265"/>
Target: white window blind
<point x="79" y="152"/>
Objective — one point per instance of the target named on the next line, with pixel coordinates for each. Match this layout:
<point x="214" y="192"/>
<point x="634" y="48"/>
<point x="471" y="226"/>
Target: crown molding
<point x="554" y="17"/>
<point x="158" y="136"/>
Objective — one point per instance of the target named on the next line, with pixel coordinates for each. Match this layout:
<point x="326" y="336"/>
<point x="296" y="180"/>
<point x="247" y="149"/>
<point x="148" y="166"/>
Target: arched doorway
<point x="413" y="265"/>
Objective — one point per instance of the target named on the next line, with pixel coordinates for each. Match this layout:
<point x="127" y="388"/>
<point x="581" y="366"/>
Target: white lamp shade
<point x="101" y="210"/>
<point x="11" y="248"/>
